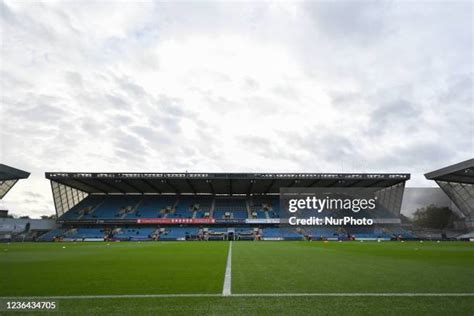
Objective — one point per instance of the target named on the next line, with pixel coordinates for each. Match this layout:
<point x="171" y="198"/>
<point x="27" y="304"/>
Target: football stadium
<point x="217" y="243"/>
<point x="213" y="157"/>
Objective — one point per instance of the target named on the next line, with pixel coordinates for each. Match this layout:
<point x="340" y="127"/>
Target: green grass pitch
<point x="127" y="268"/>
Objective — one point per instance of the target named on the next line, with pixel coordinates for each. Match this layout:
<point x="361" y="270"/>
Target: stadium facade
<point x="204" y="206"/>
<point x="457" y="181"/>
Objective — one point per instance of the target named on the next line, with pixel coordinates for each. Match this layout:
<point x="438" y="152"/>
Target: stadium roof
<point x="462" y="172"/>
<point x="216" y="183"/>
<point x="8" y="177"/>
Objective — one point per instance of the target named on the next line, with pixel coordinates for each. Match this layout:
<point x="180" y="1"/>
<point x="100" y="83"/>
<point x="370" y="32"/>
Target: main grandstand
<point x="457" y="181"/>
<point x="205" y="206"/>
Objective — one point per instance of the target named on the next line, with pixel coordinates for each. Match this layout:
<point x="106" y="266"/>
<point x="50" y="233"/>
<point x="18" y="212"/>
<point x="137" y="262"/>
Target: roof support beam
<point x="450" y="170"/>
<point x="132" y="186"/>
<point x="331" y="184"/>
<point x="112" y="186"/>
<point x="353" y="183"/>
<point x="269" y="186"/>
<point x="250" y="187"/>
<point x="293" y="183"/>
<point x="211" y="186"/>
<point x="151" y="185"/>
<point x="176" y="191"/>
<point x="191" y="186"/>
<point x="377" y="182"/>
<point x="86" y="184"/>
<point x="456" y="178"/>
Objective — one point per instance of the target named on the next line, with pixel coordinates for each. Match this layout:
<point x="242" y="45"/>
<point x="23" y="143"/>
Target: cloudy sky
<point x="368" y="86"/>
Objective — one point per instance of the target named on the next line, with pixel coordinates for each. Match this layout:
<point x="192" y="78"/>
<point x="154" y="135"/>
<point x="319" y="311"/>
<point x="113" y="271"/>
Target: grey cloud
<point x="359" y="21"/>
<point x="131" y="88"/>
<point x="117" y="101"/>
<point x="152" y="136"/>
<point x="459" y="89"/>
<point x="265" y="147"/>
<point x="26" y="24"/>
<point x="91" y="126"/>
<point x="345" y="100"/>
<point x="168" y="114"/>
<point x="33" y="194"/>
<point x="170" y="106"/>
<point x="394" y="117"/>
<point x="262" y="105"/>
<point x="415" y="157"/>
<point x="260" y="145"/>
<point x="31" y="201"/>
<point x="220" y="104"/>
<point x="129" y="147"/>
<point x="171" y="125"/>
<point x="11" y="81"/>
<point x="251" y="84"/>
<point x="120" y="120"/>
<point x="74" y="79"/>
<point x="324" y="146"/>
<point x="37" y="108"/>
<point x="329" y="149"/>
<point x="128" y="142"/>
<point x="287" y="91"/>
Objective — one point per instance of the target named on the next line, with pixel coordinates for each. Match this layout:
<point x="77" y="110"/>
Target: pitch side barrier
<point x="174" y="221"/>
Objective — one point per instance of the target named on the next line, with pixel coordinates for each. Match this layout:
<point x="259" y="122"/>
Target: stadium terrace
<point x="204" y="206"/>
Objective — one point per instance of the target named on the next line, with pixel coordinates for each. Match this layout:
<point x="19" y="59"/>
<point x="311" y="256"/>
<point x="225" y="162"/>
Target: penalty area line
<point x="226" y="290"/>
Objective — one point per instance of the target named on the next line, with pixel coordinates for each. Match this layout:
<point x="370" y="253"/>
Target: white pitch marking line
<point x="66" y="297"/>
<point x="107" y="296"/>
<point x="352" y="294"/>
<point x="226" y="291"/>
